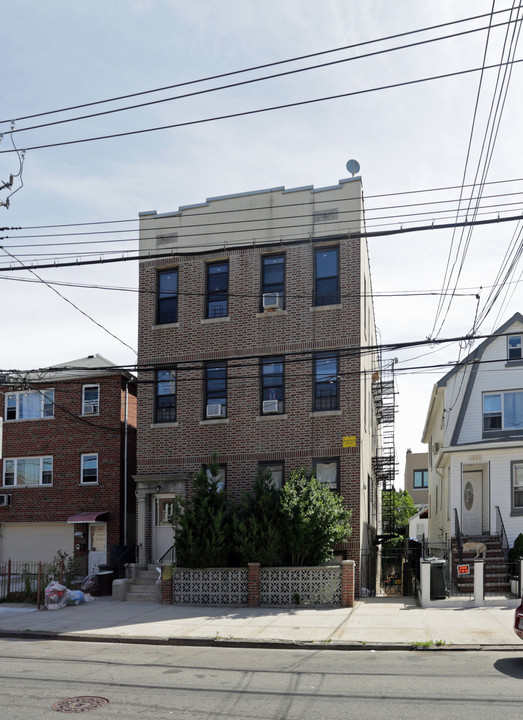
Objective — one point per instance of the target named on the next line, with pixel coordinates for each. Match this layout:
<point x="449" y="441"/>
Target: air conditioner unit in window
<point x="272" y="301"/>
<point x="271" y="406"/>
<point x="5" y="500"/>
<point x="91" y="408"/>
<point x="215" y="410"/>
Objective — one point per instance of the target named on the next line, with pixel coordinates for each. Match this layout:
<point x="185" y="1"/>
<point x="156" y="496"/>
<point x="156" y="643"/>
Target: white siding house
<point x="474" y="432"/>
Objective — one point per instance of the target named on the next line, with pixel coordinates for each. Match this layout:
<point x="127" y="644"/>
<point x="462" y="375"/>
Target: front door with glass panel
<point x="97" y="545"/>
<point x="163" y="533"/>
<point x="472" y="503"/>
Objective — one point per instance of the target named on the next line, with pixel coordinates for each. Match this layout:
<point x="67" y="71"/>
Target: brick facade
<point x="65" y="436"/>
<point x="246" y="436"/>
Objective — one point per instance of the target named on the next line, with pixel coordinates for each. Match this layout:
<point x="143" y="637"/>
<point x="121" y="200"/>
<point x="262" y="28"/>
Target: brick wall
<point x="65" y="437"/>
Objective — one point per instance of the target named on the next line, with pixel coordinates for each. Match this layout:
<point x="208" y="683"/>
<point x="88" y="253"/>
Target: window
<point x="89" y="469"/>
<point x="275" y="471"/>
<point x="517" y="487"/>
<point x="217" y="289"/>
<point x="30" y="405"/>
<point x="215" y="390"/>
<point x="514" y="347"/>
<point x="273" y="281"/>
<point x="165" y="406"/>
<point x="220" y="478"/>
<point x="326" y="276"/>
<point x="503" y="411"/>
<point x="421" y="479"/>
<point x="167" y="301"/>
<point x="326" y="472"/>
<point x="272" y="391"/>
<point x="28" y="471"/>
<point x="90" y="400"/>
<point x="325" y="382"/>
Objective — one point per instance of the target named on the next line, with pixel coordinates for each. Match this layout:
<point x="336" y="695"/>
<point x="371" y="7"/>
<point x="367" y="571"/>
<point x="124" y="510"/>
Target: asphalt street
<point x="241" y="684"/>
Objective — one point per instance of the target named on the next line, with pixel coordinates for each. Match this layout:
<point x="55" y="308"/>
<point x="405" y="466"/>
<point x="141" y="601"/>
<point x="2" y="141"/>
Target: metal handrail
<point x="459" y="537"/>
<point x="500" y="531"/>
<point x="170" y="550"/>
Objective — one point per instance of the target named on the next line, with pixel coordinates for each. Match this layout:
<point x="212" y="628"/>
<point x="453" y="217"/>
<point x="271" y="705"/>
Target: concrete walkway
<point x="380" y="623"/>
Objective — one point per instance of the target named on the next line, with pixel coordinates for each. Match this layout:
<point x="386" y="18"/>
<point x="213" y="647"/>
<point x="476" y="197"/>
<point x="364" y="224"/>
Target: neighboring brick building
<point x="69" y="441"/>
<point x="253" y="309"/>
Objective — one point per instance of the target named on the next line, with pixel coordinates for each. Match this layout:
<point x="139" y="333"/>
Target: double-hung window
<point x="273" y="281"/>
<point x="29" y="471"/>
<point x="217" y="289"/>
<point x="165" y="405"/>
<point x="517" y="487"/>
<point x="514" y="347"/>
<point x="326" y="276"/>
<point x="421" y="479"/>
<point x="167" y="300"/>
<point x="272" y="388"/>
<point x="325" y="377"/>
<point x="89" y="475"/>
<point x="29" y="405"/>
<point x="220" y="478"/>
<point x="215" y="390"/>
<point x="90" y="400"/>
<point x="327" y="471"/>
<point x="503" y="411"/>
<point x="274" y="472"/>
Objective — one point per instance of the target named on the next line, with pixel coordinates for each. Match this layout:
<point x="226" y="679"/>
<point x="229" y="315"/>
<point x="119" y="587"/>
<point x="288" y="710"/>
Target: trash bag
<point x="75" y="597"/>
<point x="56" y="596"/>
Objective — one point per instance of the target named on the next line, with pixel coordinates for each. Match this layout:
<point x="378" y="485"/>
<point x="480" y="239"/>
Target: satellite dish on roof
<point x="353" y="167"/>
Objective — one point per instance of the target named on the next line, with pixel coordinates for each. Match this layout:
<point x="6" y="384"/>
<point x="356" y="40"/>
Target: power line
<point x="246" y="113"/>
<point x="250" y="81"/>
<point x="281" y="242"/>
<point x="255" y="67"/>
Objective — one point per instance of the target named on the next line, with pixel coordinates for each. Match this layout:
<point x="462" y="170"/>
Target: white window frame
<point x="501" y="394"/>
<point x="515" y="348"/>
<point x="516" y="469"/>
<point x="86" y="403"/>
<point x="16" y="462"/>
<point x="45" y="398"/>
<point x="82" y="469"/>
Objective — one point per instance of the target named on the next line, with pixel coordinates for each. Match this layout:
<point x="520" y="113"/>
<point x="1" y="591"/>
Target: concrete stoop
<point x="144" y="587"/>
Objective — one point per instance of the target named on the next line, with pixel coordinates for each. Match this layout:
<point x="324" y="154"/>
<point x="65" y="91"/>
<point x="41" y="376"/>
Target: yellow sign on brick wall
<point x="349" y="441"/>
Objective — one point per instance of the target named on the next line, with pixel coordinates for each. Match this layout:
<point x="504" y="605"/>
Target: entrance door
<point x="472" y="504"/>
<point x="97" y="545"/>
<point x="163" y="533"/>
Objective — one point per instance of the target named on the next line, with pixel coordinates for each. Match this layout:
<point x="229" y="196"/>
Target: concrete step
<point x="138" y="592"/>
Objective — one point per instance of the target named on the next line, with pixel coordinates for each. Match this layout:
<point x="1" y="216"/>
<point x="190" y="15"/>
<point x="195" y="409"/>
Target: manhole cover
<point x="79" y="704"/>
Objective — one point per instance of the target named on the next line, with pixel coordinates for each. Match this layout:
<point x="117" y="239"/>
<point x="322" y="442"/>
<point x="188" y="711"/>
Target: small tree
<point x="314" y="519"/>
<point x="201" y="522"/>
<point x="397" y="508"/>
<point x="257" y="524"/>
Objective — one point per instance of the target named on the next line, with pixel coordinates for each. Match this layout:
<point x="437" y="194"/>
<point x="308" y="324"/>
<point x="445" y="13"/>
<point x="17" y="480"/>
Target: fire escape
<point x="384" y="463"/>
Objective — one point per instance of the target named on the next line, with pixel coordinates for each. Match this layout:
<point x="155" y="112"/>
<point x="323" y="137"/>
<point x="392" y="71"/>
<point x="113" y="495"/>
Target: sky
<point x="409" y="138"/>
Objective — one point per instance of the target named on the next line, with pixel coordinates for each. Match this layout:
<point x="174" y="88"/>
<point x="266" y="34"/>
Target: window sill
<point x="93" y="484"/>
<point x="165" y="424"/>
<point x="272" y="416"/>
<point x="326" y="413"/>
<point x="210" y="321"/>
<point x="23" y="420"/>
<point x="516" y="513"/>
<point x="158" y="326"/>
<point x="514" y="363"/>
<point x="321" y="308"/>
<point x="271" y="314"/>
<point x="211" y="421"/>
<point x="88" y="415"/>
<point x="8" y="488"/>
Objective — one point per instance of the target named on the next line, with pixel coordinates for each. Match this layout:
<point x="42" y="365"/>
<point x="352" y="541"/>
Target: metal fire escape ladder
<point x="384" y="463"/>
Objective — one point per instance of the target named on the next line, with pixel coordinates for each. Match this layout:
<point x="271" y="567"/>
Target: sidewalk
<point x="374" y="623"/>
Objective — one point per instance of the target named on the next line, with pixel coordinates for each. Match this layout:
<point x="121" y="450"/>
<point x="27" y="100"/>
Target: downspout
<point x="125" y="464"/>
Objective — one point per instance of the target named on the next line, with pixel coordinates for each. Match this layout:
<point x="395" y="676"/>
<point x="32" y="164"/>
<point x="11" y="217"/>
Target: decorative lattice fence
<point x="300" y="586"/>
<point x="229" y="586"/>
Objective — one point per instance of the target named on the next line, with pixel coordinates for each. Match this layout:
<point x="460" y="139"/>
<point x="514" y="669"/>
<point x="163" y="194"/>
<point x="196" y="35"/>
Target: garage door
<point x="35" y="541"/>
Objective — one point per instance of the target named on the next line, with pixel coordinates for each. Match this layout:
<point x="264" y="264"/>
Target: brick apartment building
<point x="69" y="441"/>
<point x="253" y="310"/>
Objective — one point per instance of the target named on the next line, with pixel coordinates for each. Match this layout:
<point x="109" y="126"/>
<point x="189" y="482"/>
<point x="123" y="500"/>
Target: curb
<point x="257" y="644"/>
